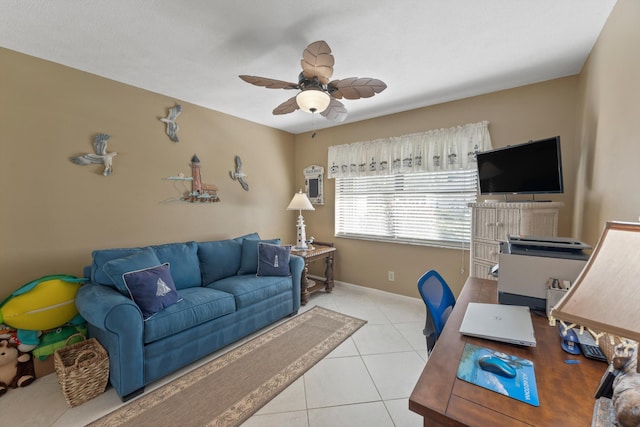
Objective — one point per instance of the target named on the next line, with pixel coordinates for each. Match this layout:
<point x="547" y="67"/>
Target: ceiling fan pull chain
<point x="313" y="124"/>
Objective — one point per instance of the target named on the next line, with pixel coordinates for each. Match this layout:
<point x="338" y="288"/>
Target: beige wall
<point x="517" y="115"/>
<point x="594" y="112"/>
<point x="54" y="213"/>
<point x="608" y="134"/>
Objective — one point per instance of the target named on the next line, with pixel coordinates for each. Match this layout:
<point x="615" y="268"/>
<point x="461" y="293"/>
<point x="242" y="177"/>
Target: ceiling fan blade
<point x="336" y="111"/>
<point x="269" y="83"/>
<point x="288" y="106"/>
<point x="317" y="61"/>
<point x="355" y="88"/>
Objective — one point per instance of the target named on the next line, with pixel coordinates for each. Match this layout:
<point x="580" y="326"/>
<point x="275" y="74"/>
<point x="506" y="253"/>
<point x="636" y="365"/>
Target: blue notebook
<point x="521" y="387"/>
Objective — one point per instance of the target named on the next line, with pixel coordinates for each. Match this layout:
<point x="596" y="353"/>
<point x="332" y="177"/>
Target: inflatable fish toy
<point x="45" y="303"/>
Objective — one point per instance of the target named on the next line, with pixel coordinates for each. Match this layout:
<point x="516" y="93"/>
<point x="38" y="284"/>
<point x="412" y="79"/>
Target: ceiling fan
<point x="317" y="93"/>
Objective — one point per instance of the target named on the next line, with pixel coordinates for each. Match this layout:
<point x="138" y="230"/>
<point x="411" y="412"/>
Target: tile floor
<point x="364" y="382"/>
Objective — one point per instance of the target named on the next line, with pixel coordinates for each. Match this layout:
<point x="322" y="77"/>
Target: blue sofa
<point x="221" y="299"/>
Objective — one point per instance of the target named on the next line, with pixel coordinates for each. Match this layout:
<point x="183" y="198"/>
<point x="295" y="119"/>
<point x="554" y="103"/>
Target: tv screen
<point x="529" y="168"/>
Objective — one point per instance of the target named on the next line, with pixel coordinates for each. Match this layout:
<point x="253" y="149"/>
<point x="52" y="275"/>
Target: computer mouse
<point x="496" y="365"/>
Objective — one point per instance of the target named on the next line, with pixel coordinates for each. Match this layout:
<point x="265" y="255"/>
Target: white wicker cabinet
<point x="492" y="222"/>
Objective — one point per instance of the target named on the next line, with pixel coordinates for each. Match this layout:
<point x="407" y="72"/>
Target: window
<point x="413" y="188"/>
<point x="429" y="208"/>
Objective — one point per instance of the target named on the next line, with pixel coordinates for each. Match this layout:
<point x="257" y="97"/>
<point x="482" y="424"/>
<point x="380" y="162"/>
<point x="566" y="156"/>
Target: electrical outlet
<point x="392" y="276"/>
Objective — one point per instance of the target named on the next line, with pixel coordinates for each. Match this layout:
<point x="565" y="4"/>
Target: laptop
<point x="499" y="322"/>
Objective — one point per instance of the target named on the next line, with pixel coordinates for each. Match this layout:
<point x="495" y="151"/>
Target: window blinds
<point x="422" y="208"/>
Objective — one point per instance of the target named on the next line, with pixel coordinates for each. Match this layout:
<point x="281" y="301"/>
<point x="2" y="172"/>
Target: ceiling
<point x="426" y="51"/>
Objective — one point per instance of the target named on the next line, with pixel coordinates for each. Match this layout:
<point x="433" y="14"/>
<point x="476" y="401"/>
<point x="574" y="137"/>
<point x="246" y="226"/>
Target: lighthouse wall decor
<point x="200" y="192"/>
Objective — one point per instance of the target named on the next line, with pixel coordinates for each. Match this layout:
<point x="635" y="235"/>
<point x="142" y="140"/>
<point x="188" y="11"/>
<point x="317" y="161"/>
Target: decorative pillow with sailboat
<point x="152" y="289"/>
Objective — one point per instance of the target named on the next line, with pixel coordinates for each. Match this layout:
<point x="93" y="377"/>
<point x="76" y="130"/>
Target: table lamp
<point x="300" y="202"/>
<point x="606" y="295"/>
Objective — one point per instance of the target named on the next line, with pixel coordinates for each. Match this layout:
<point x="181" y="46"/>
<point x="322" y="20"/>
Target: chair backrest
<point x="437" y="296"/>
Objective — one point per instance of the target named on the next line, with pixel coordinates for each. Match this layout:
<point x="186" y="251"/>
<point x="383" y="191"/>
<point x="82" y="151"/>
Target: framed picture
<point x="314" y="184"/>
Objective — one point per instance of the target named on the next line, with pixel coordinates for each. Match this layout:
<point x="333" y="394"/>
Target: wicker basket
<point x="82" y="369"/>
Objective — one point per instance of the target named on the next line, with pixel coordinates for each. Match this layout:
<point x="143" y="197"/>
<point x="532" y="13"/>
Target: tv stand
<point x="532" y="200"/>
<point x="527" y="201"/>
<point x="492" y="222"/>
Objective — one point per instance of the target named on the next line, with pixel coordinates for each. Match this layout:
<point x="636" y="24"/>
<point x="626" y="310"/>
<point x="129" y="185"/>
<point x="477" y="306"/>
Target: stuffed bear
<point x="16" y="368"/>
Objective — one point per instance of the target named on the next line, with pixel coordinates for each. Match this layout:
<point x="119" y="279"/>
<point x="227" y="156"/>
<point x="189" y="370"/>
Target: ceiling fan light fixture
<point x="313" y="100"/>
<point x="318" y="93"/>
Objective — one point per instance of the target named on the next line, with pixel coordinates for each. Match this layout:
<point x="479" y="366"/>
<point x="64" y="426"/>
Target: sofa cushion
<point x="185" y="265"/>
<point x="250" y="236"/>
<point x="115" y="268"/>
<point x="273" y="260"/>
<point x="197" y="305"/>
<point x="152" y="289"/>
<point x="249" y="258"/>
<point x="102" y="256"/>
<point x="219" y="259"/>
<point x="250" y="289"/>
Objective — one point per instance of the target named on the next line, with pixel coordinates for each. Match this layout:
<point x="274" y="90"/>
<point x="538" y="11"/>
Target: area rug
<point x="229" y="389"/>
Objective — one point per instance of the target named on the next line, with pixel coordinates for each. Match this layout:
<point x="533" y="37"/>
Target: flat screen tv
<point x="534" y="167"/>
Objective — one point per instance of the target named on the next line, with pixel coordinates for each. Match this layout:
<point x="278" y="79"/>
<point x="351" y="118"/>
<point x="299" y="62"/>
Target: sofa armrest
<point x="296" y="265"/>
<point x="96" y="303"/>
<point x="117" y="323"/>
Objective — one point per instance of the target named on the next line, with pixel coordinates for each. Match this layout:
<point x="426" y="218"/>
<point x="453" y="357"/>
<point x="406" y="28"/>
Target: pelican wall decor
<point x="170" y="120"/>
<point x="238" y="175"/>
<point x="100" y="157"/>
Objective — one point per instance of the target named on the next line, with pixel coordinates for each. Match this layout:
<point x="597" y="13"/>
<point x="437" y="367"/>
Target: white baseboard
<point x="386" y="293"/>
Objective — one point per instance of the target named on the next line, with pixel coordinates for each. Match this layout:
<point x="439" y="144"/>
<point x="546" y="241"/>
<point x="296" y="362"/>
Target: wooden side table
<point x="317" y="251"/>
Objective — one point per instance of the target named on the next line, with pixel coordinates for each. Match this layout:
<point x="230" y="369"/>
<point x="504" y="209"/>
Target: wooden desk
<point x="307" y="286"/>
<point x="565" y="390"/>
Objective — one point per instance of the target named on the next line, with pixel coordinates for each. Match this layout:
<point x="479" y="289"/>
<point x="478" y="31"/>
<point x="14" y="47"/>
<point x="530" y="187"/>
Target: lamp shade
<point x="313" y="100"/>
<point x="606" y="294"/>
<point x="300" y="202"/>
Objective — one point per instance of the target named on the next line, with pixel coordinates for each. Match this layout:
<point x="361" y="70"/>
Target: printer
<point x="528" y="262"/>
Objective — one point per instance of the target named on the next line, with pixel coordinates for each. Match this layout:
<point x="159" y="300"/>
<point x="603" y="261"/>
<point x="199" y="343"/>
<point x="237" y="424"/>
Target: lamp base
<point x="301" y="239"/>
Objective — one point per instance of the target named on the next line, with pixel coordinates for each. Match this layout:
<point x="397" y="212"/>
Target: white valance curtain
<point x="431" y="151"/>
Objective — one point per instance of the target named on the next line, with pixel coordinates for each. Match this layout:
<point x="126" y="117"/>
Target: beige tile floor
<point x="366" y="382"/>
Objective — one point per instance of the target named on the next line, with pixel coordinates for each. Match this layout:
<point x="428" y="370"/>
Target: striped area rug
<point x="229" y="389"/>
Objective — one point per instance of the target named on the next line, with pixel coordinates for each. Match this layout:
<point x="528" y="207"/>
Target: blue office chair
<point x="439" y="300"/>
